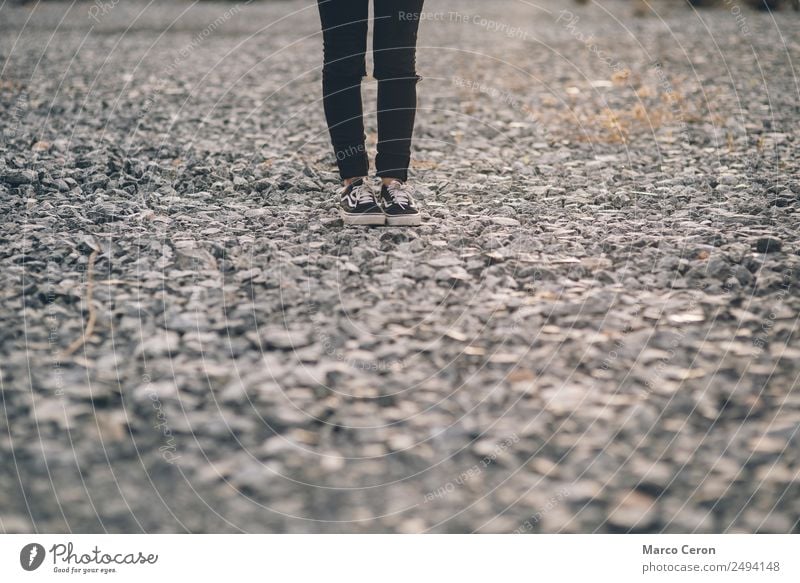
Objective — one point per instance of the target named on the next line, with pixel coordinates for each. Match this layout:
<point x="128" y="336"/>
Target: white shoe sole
<point x="404" y="221"/>
<point x="362" y="219"/>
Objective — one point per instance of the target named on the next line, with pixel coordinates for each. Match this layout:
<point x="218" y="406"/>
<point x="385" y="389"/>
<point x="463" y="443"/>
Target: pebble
<point x="590" y="289"/>
<point x="633" y="511"/>
<point x="768" y="245"/>
<point x="17" y="177"/>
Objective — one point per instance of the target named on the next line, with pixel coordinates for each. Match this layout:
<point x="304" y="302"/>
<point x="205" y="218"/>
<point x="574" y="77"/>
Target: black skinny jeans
<point x="344" y="32"/>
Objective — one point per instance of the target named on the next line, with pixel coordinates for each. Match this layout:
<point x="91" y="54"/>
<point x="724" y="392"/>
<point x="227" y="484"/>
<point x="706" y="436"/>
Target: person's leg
<point x="344" y="33"/>
<point x="394" y="47"/>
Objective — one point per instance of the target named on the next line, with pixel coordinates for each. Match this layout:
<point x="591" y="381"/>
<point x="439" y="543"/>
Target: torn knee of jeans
<point x="344" y="75"/>
<point x="396" y="75"/>
<point x="352" y="67"/>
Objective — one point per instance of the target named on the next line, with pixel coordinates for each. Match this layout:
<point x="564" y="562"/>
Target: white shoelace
<point x="401" y="193"/>
<point x="362" y="194"/>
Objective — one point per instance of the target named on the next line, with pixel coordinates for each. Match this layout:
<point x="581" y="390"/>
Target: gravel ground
<point x="594" y="330"/>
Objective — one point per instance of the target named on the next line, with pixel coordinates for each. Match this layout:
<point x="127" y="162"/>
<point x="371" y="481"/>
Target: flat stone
<point x="633" y="511"/>
<point x="768" y="245"/>
<point x="18" y="177"/>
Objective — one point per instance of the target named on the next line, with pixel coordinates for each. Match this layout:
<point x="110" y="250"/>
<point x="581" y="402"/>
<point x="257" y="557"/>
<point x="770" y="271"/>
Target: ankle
<point x="388" y="181"/>
<point x="349" y="181"/>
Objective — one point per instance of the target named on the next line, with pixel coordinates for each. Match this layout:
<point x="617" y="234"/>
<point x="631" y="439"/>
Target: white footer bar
<point x="400" y="558"/>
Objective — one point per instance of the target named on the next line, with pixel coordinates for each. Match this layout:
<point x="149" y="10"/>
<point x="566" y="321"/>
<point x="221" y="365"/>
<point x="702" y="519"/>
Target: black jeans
<point x="344" y="32"/>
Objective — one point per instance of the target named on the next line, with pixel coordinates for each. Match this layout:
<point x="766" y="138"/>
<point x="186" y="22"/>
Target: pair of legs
<point x="344" y="31"/>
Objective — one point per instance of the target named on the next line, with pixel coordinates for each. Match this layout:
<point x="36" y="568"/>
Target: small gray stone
<point x="768" y="245"/>
<point x="18" y="177"/>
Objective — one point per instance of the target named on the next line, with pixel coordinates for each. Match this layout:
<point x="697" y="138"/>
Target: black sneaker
<point x="358" y="205"/>
<point x="399" y="205"/>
